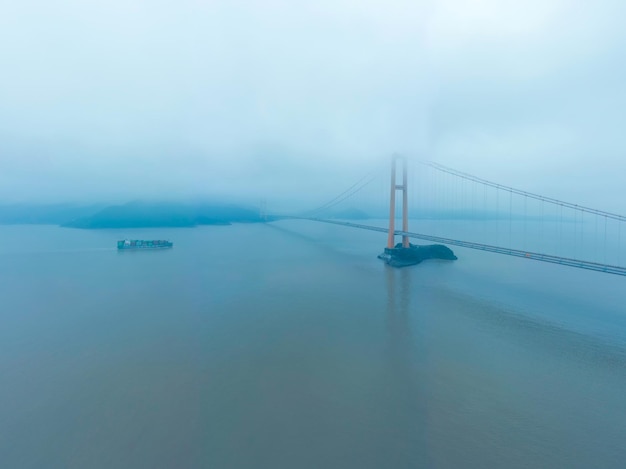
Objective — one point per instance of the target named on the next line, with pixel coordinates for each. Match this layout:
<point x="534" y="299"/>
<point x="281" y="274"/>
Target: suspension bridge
<point x="467" y="211"/>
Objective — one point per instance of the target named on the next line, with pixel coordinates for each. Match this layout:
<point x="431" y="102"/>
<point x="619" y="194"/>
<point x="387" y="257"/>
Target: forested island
<point x="156" y="215"/>
<point x="45" y="214"/>
<point x="129" y="215"/>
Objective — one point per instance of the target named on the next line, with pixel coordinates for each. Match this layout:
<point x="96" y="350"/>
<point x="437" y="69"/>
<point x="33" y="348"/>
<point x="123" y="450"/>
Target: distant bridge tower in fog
<point x="263" y="209"/>
<point x="392" y="203"/>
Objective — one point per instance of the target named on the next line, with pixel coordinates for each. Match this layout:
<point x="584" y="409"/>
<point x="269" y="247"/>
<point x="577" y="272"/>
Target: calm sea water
<point x="291" y="346"/>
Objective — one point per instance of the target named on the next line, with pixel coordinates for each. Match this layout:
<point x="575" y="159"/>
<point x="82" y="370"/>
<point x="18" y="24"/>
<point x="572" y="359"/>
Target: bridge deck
<point x="581" y="264"/>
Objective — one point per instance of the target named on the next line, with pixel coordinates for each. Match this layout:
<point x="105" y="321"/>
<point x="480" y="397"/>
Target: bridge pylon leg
<point x="263" y="210"/>
<point x="392" y="202"/>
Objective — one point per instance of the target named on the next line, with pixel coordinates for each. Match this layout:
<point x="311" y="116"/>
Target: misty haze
<point x="331" y="234"/>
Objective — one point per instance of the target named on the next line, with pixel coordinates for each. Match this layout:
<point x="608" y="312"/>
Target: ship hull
<point x="134" y="248"/>
<point x="137" y="244"/>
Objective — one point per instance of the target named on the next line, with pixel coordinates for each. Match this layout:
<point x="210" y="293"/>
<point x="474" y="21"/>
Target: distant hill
<point x="154" y="214"/>
<point x="47" y="214"/>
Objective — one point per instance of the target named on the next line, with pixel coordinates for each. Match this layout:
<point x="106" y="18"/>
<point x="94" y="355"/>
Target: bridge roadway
<point x="595" y="266"/>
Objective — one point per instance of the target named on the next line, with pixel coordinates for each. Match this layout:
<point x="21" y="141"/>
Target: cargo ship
<point x="144" y="244"/>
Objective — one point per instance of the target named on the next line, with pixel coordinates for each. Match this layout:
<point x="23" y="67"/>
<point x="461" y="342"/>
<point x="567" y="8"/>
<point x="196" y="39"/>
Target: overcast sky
<point x="110" y="100"/>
